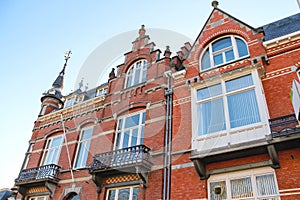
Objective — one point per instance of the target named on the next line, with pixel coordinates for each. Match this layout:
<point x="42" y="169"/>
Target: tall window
<point x="223" y="51"/>
<point x="130" y="130"/>
<point x="126" y="193"/>
<point x="226" y="105"/>
<point x="136" y="73"/>
<point x="28" y="153"/>
<point x="83" y="148"/>
<point x="52" y="151"/>
<point x="245" y="186"/>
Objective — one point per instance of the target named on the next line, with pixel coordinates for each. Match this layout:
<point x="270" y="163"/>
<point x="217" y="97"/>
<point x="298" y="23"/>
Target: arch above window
<point x="222" y="51"/>
<point x="136" y="73"/>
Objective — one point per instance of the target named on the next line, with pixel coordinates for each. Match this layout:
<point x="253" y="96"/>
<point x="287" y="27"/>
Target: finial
<point x="167" y="48"/>
<point x="112" y="74"/>
<point x="67" y="56"/>
<point x="215" y="4"/>
<point x="142" y="30"/>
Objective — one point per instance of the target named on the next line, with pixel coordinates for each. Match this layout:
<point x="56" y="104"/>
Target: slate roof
<point x="282" y="27"/>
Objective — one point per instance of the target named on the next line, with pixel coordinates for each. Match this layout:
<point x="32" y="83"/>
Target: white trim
<point x="80" y="142"/>
<point x="237" y="135"/>
<point x="120" y="188"/>
<point x="46" y="150"/>
<point x="266" y="43"/>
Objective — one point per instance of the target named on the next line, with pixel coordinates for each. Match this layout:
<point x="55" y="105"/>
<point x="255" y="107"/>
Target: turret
<point x="53" y="99"/>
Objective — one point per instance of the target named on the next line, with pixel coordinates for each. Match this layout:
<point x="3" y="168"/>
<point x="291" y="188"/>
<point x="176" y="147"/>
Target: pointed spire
<point x="59" y="81"/>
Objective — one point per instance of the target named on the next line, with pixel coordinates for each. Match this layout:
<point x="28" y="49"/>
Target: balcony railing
<point x="46" y="172"/>
<point x="284" y="126"/>
<point x="136" y="155"/>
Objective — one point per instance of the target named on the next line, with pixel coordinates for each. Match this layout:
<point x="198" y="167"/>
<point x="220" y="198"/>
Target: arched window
<point x="136" y="73"/>
<point x="222" y="51"/>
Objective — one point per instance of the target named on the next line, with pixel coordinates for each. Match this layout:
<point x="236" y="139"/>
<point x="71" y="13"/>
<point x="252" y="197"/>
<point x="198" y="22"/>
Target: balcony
<point x="284" y="126"/>
<point x="44" y="176"/>
<point x="131" y="160"/>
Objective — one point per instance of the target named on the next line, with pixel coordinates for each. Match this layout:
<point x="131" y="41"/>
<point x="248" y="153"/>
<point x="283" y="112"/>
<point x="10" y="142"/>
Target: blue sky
<point x="35" y="34"/>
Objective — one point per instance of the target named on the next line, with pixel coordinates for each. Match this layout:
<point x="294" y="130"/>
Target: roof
<point x="5" y="194"/>
<point x="282" y="27"/>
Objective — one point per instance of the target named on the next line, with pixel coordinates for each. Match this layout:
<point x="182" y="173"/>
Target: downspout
<point x="168" y="141"/>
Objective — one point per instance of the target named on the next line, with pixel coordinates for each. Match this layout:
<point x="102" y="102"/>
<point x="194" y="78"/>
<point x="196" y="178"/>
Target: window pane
<point x="119" y="146"/>
<point x="134" y="137"/>
<point x="142" y="135"/>
<point x="56" y="142"/>
<point x="129" y="79"/>
<point x="124" y="194"/>
<point x="266" y="185"/>
<point x="132" y="121"/>
<point x="87" y="134"/>
<point x="221" y="44"/>
<point x="218" y="59"/>
<point x="229" y="55"/>
<point x="205" y="62"/>
<point x="218" y="190"/>
<point x="242" y="47"/>
<point x="79" y="156"/>
<point x="239" y="83"/>
<point x="126" y="139"/>
<point x="111" y="194"/>
<point x="243" y="109"/>
<point x="143" y="118"/>
<point x="211" y="117"/>
<point x="208" y="92"/>
<point x="241" y="188"/>
<point x="135" y="195"/>
<point x="137" y="76"/>
<point x="120" y="125"/>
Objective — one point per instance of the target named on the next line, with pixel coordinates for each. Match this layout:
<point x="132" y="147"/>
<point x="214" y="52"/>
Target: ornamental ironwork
<point x="284" y="125"/>
<point x="46" y="172"/>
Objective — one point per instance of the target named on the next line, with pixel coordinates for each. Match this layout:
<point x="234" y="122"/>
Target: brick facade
<point x="193" y="168"/>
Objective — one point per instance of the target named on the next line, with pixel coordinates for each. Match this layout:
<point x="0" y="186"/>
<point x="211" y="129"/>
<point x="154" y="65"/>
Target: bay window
<point x="226" y="105"/>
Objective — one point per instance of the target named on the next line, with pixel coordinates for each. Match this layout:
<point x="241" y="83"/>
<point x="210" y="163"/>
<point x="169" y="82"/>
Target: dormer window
<point x="70" y="101"/>
<point x="101" y="91"/>
<point x="222" y="51"/>
<point x="136" y="73"/>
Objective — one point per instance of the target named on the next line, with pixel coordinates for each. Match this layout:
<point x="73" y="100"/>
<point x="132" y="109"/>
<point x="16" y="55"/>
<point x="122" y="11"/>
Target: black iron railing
<point x="122" y="157"/>
<point x="284" y="126"/>
<point x="49" y="172"/>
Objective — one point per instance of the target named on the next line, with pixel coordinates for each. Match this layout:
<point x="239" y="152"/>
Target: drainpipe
<point x="168" y="140"/>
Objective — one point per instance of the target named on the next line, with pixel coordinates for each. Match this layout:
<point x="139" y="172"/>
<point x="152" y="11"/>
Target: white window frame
<point x="39" y="198"/>
<point x="120" y="188"/>
<point x="27" y="157"/>
<point x="252" y="173"/>
<point x="101" y="92"/>
<point x="86" y="143"/>
<point x="141" y="128"/>
<point x="262" y="106"/>
<point x="55" y="157"/>
<point x="70" y="101"/>
<point x="131" y="72"/>
<point x="211" y="53"/>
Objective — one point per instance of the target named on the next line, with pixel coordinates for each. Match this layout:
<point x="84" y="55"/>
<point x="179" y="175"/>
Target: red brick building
<point x="217" y="121"/>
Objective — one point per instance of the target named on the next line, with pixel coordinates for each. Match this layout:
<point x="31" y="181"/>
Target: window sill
<point x="233" y="131"/>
